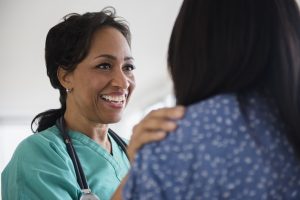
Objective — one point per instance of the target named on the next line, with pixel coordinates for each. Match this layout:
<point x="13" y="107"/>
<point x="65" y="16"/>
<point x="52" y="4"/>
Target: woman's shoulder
<point x="220" y="120"/>
<point x="215" y="105"/>
<point x="40" y="159"/>
<point x="211" y="113"/>
<point x="37" y="151"/>
<point x="203" y="122"/>
<point x="50" y="135"/>
<point x="43" y="143"/>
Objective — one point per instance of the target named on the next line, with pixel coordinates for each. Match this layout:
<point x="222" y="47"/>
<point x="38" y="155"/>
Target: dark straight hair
<point x="67" y="44"/>
<point x="221" y="46"/>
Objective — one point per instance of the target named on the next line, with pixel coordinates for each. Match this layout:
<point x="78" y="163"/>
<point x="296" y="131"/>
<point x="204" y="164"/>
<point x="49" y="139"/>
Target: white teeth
<point x="114" y="98"/>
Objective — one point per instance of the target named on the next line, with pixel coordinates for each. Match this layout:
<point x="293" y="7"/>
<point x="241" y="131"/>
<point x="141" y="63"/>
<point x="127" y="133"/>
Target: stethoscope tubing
<point x="81" y="178"/>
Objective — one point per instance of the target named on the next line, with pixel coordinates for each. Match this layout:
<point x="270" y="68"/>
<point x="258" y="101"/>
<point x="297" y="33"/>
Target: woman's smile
<point x="113" y="100"/>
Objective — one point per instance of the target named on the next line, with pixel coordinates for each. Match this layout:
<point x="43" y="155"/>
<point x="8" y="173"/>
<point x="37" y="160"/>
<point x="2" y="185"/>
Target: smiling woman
<point x="101" y="84"/>
<point x="74" y="153"/>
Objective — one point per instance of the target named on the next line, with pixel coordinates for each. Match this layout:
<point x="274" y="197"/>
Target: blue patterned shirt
<point x="222" y="149"/>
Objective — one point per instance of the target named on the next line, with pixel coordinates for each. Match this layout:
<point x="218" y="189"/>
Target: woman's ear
<point x="65" y="78"/>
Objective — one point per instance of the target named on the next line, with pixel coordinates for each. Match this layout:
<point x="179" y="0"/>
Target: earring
<point x="68" y="90"/>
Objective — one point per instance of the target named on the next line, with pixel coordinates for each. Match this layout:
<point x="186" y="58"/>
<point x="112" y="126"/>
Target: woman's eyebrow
<point x="114" y="57"/>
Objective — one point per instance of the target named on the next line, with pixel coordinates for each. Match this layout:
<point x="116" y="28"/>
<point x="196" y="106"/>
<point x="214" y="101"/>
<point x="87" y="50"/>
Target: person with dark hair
<point x="235" y="64"/>
<point x="74" y="154"/>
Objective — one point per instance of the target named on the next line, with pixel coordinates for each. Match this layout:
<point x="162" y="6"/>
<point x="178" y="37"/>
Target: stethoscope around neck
<point x="81" y="178"/>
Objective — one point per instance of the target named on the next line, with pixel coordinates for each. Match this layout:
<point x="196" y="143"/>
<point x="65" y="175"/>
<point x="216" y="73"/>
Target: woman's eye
<point x="104" y="66"/>
<point x="129" y="67"/>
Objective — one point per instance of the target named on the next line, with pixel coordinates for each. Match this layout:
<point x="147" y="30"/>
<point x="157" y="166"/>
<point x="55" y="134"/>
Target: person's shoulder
<point x="44" y="142"/>
<point x="40" y="159"/>
<point x="215" y="105"/>
<point x="37" y="151"/>
<point x="212" y="113"/>
<point x="204" y="122"/>
<point x="47" y="136"/>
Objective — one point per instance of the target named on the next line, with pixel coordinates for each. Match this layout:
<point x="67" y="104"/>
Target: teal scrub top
<point x="41" y="168"/>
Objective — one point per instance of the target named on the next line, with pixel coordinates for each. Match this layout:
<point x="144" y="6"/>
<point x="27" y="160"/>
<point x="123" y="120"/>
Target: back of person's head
<point x="67" y="44"/>
<point x="233" y="46"/>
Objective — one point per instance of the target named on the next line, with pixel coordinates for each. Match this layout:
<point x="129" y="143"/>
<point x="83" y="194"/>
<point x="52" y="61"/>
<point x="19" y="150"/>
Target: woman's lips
<point x="115" y="101"/>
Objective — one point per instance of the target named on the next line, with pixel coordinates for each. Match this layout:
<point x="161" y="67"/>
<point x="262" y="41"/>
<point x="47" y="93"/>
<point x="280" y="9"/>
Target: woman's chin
<point x="111" y="119"/>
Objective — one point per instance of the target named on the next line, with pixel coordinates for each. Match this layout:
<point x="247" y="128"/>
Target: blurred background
<point x="24" y="86"/>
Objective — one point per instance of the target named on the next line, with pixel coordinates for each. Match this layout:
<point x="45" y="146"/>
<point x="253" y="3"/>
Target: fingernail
<point x="180" y="110"/>
<point x="162" y="134"/>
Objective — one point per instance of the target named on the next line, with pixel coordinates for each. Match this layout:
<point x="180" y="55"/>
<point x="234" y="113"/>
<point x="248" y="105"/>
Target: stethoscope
<point x="81" y="179"/>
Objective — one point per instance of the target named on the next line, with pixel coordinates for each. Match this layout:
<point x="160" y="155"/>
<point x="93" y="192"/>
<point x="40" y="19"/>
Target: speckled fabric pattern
<point x="222" y="149"/>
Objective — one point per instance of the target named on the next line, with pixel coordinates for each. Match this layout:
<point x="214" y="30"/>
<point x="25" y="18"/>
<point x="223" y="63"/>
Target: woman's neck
<point x="96" y="131"/>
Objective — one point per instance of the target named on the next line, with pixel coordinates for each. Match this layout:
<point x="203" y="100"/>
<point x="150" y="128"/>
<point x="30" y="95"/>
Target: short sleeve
<point x="39" y="170"/>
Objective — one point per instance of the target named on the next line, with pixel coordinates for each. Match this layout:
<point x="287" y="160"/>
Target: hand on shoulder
<point x="154" y="127"/>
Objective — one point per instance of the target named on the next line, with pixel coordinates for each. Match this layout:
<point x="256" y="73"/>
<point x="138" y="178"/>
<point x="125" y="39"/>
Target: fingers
<point x="143" y="138"/>
<point x="170" y="113"/>
<point x="162" y="119"/>
<point x="153" y="124"/>
<point x="152" y="136"/>
<point x="154" y="127"/>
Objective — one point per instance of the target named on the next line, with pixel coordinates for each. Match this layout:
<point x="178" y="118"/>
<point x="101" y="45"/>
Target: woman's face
<point x="103" y="82"/>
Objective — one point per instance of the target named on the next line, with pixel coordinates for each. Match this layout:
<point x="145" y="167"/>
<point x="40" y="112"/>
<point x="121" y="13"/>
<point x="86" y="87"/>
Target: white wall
<point x="25" y="89"/>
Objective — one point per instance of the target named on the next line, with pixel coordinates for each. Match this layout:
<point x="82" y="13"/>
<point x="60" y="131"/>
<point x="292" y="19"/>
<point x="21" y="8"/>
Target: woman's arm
<point x="153" y="127"/>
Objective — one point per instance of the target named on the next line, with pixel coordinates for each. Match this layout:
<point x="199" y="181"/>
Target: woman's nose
<point x="120" y="79"/>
